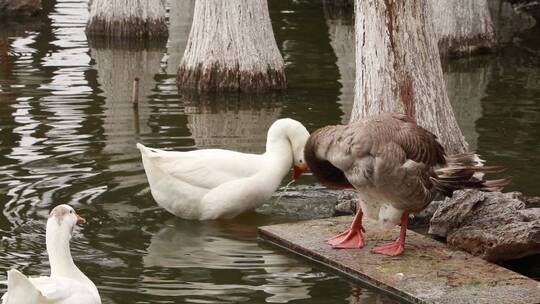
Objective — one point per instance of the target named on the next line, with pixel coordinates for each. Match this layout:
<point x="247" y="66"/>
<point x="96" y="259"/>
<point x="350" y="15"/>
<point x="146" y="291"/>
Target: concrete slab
<point x="427" y="272"/>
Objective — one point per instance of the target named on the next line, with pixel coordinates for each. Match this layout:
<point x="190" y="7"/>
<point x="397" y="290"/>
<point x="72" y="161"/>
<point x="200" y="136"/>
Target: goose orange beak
<point x="299" y="169"/>
<point x="80" y="220"/>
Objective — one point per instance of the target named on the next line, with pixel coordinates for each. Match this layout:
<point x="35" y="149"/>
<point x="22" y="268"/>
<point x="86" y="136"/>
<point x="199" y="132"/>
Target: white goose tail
<point x="21" y="290"/>
<point x="148" y="152"/>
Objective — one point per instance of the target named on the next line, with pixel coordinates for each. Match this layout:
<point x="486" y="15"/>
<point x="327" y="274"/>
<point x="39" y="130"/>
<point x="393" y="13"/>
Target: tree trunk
<point x="339" y="17"/>
<point x="231" y="47"/>
<point x="399" y="69"/>
<point x="128" y="18"/>
<point x="463" y="27"/>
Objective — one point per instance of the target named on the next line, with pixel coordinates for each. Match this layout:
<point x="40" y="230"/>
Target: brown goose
<point x="396" y="166"/>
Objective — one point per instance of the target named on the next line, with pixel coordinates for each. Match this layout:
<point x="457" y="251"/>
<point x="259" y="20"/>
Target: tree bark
<point x="463" y="27"/>
<point x="399" y="69"/>
<point x="128" y="18"/>
<point x="231" y="47"/>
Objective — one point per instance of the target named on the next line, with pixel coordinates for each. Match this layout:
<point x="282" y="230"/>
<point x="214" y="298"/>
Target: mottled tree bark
<point x="463" y="27"/>
<point x="231" y="47"/>
<point x="398" y="67"/>
<point x="127" y="18"/>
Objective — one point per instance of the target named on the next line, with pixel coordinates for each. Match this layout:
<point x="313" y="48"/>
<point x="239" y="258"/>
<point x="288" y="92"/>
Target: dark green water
<point x="68" y="134"/>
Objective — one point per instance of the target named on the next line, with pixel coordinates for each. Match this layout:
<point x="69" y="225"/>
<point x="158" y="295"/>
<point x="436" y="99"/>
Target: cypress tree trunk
<point x="398" y="67"/>
<point x="128" y="18"/>
<point x="231" y="47"/>
<point x="463" y="27"/>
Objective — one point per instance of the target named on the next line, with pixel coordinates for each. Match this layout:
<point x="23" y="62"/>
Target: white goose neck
<point x="277" y="140"/>
<point x="57" y="238"/>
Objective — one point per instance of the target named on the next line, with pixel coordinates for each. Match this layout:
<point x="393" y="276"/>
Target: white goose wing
<point x="45" y="290"/>
<point x="63" y="290"/>
<point x="207" y="168"/>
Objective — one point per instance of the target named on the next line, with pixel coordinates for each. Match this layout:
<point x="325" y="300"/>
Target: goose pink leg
<point x="352" y="238"/>
<point x="395" y="248"/>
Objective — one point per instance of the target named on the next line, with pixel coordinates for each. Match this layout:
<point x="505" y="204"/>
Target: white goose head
<point x="296" y="135"/>
<point x="60" y="226"/>
<point x="63" y="218"/>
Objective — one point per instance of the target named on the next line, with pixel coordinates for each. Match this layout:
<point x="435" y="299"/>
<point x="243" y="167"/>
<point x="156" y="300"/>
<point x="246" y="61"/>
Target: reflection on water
<point x="68" y="129"/>
<point x="217" y="247"/>
<point x="180" y="17"/>
<point x="232" y="122"/>
<point x="466" y="83"/>
<point x="339" y="17"/>
<point x="67" y="134"/>
<point x="117" y="65"/>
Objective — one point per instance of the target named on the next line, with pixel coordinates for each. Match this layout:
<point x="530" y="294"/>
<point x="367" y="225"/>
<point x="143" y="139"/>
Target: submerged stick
<point x="135" y="93"/>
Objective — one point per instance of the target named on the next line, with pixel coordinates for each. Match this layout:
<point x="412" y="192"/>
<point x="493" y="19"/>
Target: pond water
<point x="68" y="134"/>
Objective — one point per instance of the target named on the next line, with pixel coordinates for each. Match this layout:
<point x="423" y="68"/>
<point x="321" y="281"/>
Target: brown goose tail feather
<point x="466" y="171"/>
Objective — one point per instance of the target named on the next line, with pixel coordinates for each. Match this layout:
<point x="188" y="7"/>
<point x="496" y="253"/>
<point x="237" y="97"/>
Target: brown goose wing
<point x="388" y="153"/>
<point x="405" y="155"/>
<point x="419" y="144"/>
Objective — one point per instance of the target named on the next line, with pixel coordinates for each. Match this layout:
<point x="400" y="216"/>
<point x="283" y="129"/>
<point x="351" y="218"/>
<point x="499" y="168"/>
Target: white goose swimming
<point x="66" y="284"/>
<point x="213" y="183"/>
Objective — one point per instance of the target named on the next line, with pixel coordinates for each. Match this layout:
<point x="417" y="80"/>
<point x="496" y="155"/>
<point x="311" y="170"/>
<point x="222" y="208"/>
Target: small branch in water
<point x="284" y="189"/>
<point x="135" y="93"/>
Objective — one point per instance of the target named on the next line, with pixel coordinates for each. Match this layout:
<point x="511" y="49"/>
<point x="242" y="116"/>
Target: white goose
<point x="213" y="183"/>
<point x="66" y="284"/>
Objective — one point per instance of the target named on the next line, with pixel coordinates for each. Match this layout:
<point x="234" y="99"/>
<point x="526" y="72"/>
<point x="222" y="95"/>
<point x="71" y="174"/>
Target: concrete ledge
<point x="428" y="271"/>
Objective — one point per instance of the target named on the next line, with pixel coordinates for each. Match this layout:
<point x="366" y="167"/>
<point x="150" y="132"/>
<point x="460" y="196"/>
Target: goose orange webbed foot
<point x="352" y="238"/>
<point x="395" y="248"/>
<point x="391" y="249"/>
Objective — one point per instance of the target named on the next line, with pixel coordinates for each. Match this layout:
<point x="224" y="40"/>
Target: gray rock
<point x="495" y="226"/>
<point x="346" y="203"/>
<point x="16" y="8"/>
